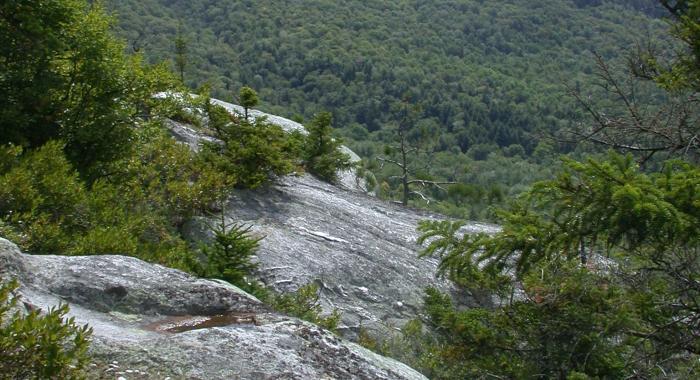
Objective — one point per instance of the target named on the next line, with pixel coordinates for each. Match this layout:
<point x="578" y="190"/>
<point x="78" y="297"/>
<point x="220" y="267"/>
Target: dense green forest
<point x="489" y="76"/>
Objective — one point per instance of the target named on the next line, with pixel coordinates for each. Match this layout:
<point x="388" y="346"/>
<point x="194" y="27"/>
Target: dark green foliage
<point x="181" y="59"/>
<point x="39" y="346"/>
<point x="219" y="119"/>
<point x="249" y="99"/>
<point x="229" y="255"/>
<point x="488" y="73"/>
<point x="251" y="151"/>
<point x="567" y="322"/>
<point x="322" y="155"/>
<point x="580" y="312"/>
<point x="65" y="76"/>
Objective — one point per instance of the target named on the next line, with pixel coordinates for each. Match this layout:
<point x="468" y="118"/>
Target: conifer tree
<point x="181" y="52"/>
<point x="249" y="99"/>
<point x="229" y="256"/>
<point x="322" y="152"/>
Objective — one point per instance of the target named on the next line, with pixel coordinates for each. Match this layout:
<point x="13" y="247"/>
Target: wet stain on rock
<point x="179" y="324"/>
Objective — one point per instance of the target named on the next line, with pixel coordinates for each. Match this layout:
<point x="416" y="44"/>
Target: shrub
<point x="36" y="346"/>
<point x="251" y="151"/>
<point x="229" y="256"/>
<point x="47" y="208"/>
<point x="321" y="151"/>
<point x="40" y="195"/>
<point x="304" y="304"/>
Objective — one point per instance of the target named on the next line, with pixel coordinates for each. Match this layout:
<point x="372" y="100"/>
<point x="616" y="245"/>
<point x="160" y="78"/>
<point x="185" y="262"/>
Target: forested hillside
<point x="489" y="76"/>
<point x="484" y="71"/>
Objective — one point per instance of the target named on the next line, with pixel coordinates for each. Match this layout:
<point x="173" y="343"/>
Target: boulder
<point x="153" y="322"/>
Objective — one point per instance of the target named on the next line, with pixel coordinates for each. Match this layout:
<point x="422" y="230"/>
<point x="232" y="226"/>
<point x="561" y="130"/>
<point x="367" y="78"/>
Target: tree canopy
<point x="596" y="271"/>
<point x="65" y="76"/>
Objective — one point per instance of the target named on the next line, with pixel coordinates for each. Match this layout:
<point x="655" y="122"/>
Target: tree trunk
<point x="404" y="168"/>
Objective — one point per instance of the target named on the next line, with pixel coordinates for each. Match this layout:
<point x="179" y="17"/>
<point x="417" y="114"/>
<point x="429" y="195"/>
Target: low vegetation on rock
<point x="36" y="345"/>
<point x="593" y="274"/>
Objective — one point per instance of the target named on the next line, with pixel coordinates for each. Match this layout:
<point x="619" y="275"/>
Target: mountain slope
<point x="485" y="72"/>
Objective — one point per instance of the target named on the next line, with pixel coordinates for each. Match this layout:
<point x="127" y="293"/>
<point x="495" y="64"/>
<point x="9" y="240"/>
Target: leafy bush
<point x="39" y="346"/>
<point x="136" y="212"/>
<point x="304" y="304"/>
<point x="40" y="195"/>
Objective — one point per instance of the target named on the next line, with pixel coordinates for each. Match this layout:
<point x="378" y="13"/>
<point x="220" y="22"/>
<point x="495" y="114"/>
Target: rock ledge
<point x="153" y="322"/>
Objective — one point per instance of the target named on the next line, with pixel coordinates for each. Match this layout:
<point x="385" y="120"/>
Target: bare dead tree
<point x="406" y="153"/>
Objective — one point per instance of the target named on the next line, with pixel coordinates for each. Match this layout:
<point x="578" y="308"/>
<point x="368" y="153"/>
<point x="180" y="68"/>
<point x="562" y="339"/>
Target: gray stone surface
<point x="188" y="135"/>
<point x="362" y="251"/>
<point x="286" y="124"/>
<point x="152" y="322"/>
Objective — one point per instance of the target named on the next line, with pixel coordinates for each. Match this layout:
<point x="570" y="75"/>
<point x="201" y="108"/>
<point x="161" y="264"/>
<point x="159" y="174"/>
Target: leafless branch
<point x="389" y="160"/>
<point x="671" y="128"/>
<point x="426" y="199"/>
<point x="437" y="184"/>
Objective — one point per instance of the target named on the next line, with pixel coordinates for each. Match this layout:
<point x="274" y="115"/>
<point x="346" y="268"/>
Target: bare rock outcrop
<point x="152" y="322"/>
<point x="360" y="250"/>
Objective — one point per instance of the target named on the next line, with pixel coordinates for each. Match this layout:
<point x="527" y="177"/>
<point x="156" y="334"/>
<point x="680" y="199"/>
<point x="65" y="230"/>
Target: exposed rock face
<point x="360" y="250"/>
<point x="153" y="322"/>
<point x="286" y="124"/>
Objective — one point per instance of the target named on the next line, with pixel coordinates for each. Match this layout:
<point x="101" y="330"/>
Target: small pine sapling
<point x="229" y="256"/>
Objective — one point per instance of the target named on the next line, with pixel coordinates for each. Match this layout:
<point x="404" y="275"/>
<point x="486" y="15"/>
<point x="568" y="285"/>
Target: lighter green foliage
<point x="305" y="304"/>
<point x="45" y="204"/>
<point x="249" y="99"/>
<point x="39" y="345"/>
